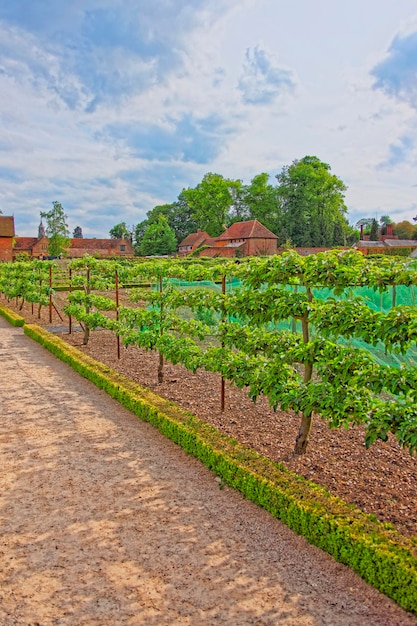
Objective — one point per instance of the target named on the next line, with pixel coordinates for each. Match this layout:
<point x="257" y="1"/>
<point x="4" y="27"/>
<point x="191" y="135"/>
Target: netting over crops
<point x="384" y="301"/>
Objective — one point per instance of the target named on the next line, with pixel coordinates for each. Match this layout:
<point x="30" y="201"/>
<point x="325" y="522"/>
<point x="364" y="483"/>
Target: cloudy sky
<point x="114" y="106"/>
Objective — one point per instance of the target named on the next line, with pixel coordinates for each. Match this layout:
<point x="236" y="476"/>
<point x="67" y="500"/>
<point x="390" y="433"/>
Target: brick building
<point x="6" y="237"/>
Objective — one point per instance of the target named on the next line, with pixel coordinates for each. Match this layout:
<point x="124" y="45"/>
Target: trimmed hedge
<point x="378" y="553"/>
<point x="13" y="318"/>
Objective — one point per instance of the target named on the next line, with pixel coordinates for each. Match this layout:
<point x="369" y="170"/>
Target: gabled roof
<point x="195" y="238"/>
<point x="247" y="230"/>
<point x="6" y="226"/>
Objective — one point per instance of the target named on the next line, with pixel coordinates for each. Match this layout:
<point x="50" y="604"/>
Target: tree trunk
<point x="301" y="442"/>
<point x="86" y="335"/>
<point x="161" y="368"/>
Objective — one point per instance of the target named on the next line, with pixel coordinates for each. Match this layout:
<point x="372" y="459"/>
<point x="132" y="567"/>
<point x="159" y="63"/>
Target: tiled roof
<point x="369" y="244"/>
<point x="194" y="238"/>
<point x="247" y="230"/>
<point x="98" y="244"/>
<point x="6" y="226"/>
<point x="401" y="243"/>
<point x="390" y="243"/>
<point x="24" y="243"/>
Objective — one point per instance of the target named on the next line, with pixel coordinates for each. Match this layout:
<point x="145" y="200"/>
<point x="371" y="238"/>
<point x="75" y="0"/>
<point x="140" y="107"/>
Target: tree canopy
<point x="306" y="207"/>
<point x="312" y="204"/>
<point x="405" y="230"/>
<point x="158" y="238"/>
<point x="56" y="229"/>
<point x="213" y="203"/>
<point x="178" y="216"/>
<point x="120" y="230"/>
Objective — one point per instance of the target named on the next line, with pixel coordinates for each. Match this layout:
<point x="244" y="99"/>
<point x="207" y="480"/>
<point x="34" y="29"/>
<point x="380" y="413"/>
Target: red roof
<point x="247" y="230"/>
<point x="25" y="243"/>
<point x="6" y="226"/>
<point x="98" y="244"/>
<point x="193" y="238"/>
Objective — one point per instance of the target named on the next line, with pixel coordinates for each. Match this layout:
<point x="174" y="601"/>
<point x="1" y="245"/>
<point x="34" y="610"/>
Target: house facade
<point x="37" y="248"/>
<point x="6" y="237"/>
<point x="100" y="248"/>
<point x="249" y="238"/>
<point x="193" y="241"/>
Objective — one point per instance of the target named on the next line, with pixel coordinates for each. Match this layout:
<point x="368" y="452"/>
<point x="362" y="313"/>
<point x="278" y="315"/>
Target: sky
<point x="112" y="107"/>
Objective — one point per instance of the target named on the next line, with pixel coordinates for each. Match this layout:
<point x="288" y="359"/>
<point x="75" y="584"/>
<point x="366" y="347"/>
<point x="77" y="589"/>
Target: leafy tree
<point x="262" y="202"/>
<point x="312" y="203"/>
<point x="121" y="230"/>
<point x="180" y="219"/>
<point x="158" y="239"/>
<point x="214" y="203"/>
<point x="373" y="236"/>
<point x="178" y="216"/>
<point x="405" y="230"/>
<point x="56" y="229"/>
<point x="385" y="220"/>
<point x="138" y="233"/>
<point x="78" y="233"/>
<point x="352" y="235"/>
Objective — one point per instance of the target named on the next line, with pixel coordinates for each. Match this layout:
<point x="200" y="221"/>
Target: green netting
<point x="376" y="300"/>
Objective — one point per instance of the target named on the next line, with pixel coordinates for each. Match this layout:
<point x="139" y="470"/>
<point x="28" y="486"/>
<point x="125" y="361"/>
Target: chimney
<point x="389" y="232"/>
<point x="361" y="235"/>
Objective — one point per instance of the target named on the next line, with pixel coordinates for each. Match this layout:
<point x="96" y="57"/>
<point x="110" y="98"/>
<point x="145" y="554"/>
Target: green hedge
<point x="13" y="318"/>
<point x="378" y="553"/>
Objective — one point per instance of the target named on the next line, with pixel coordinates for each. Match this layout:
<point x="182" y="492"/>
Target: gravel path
<point x="105" y="522"/>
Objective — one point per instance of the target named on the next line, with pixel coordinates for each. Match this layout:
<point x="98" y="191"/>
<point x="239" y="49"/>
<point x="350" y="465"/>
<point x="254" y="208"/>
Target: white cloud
<point x="112" y="108"/>
<point x="262" y="79"/>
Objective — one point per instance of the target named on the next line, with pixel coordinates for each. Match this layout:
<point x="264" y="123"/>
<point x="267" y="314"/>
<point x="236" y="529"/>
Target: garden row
<point x="281" y="326"/>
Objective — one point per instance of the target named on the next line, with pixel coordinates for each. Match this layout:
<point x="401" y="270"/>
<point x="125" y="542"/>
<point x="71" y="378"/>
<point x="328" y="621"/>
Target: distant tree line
<point x="305" y="207"/>
<point x="374" y="228"/>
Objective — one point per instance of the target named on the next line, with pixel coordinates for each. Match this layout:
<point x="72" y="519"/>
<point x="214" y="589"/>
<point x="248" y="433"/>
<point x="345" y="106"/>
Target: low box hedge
<point x="378" y="553"/>
<point x="13" y="318"/>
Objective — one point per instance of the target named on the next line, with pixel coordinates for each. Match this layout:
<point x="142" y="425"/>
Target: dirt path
<point x="105" y="522"/>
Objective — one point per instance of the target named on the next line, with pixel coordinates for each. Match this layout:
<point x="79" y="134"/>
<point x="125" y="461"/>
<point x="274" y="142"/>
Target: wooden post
<point x="50" y="294"/>
<point x="117" y="311"/>
<point x="161" y="315"/>
<point x="70" y="290"/>
<point x="222" y="391"/>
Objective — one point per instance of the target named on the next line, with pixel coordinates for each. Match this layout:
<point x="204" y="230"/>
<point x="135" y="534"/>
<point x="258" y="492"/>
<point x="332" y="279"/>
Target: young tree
<point x="158" y="239"/>
<point x="312" y="203"/>
<point x="56" y="229"/>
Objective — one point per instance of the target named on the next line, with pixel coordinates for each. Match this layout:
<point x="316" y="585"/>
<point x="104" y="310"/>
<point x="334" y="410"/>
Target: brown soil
<point x="381" y="481"/>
